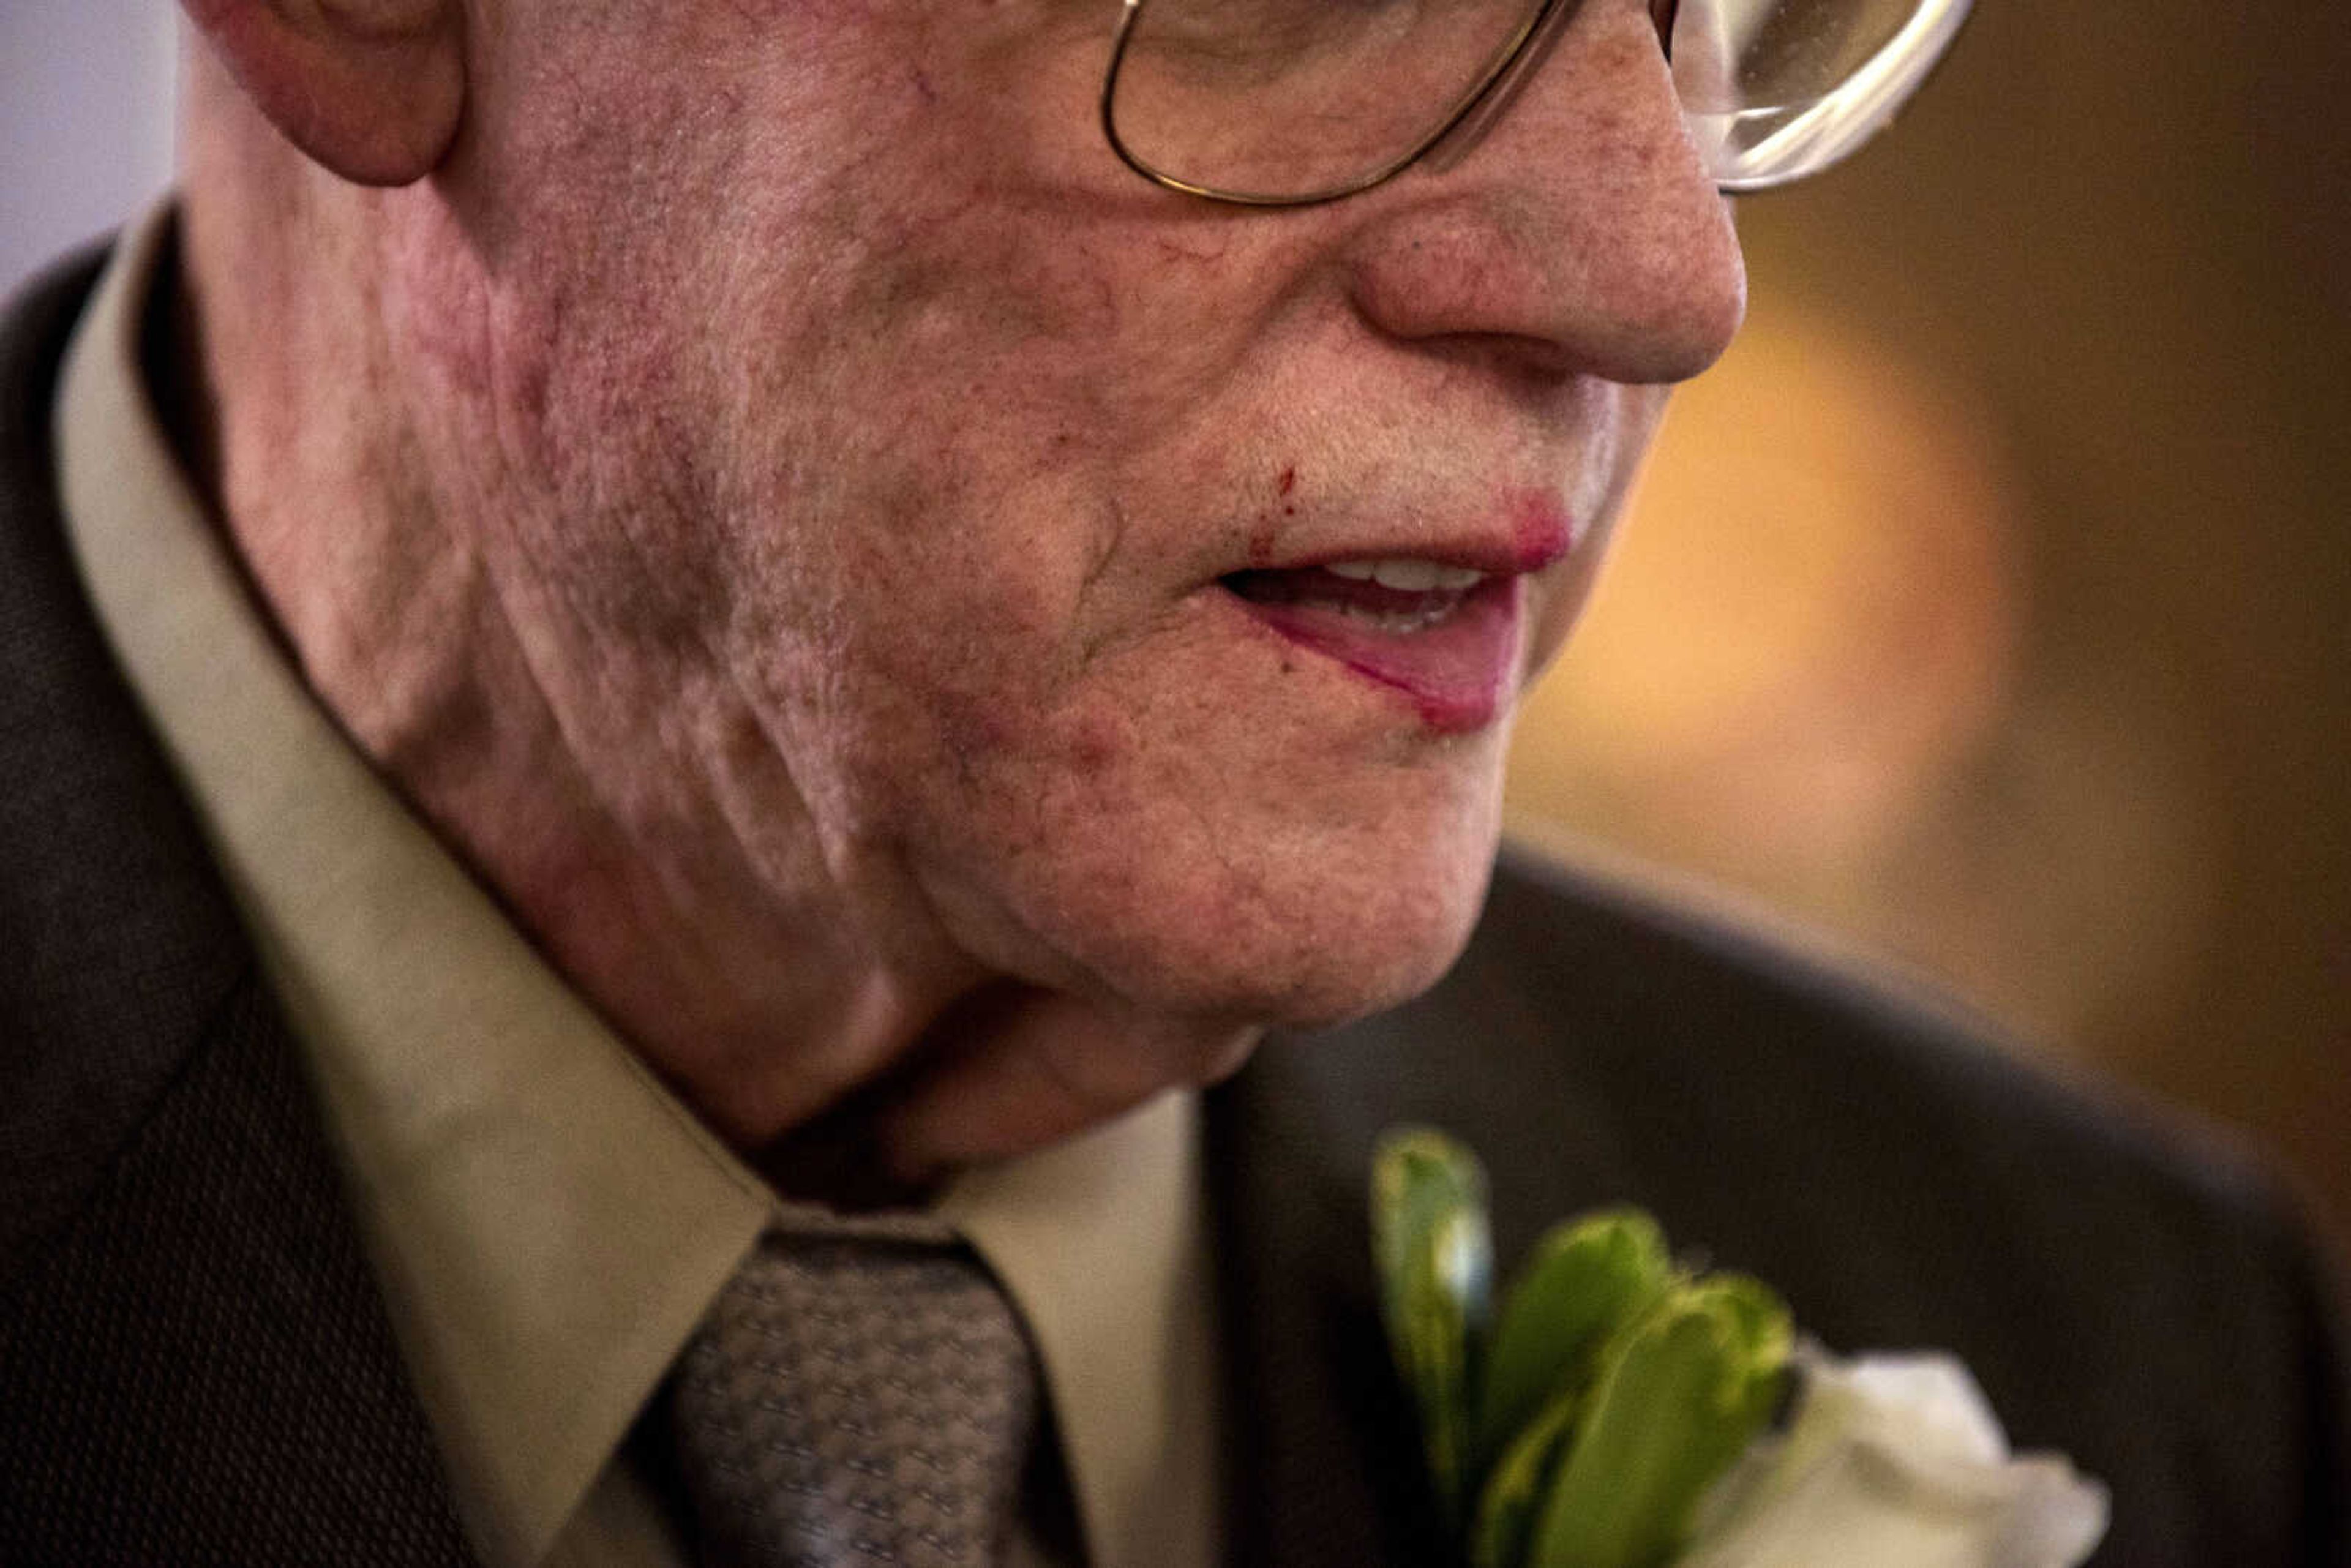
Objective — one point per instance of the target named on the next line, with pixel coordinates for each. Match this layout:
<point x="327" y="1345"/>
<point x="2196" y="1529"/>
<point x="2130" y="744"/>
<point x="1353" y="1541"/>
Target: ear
<point x="369" y="89"/>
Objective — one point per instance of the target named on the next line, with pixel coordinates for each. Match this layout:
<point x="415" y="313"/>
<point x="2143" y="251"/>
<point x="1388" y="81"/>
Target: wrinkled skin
<point x="762" y="497"/>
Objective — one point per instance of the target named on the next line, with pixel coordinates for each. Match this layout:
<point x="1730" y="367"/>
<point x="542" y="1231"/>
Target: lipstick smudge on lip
<point x="1454" y="655"/>
<point x="1542" y="531"/>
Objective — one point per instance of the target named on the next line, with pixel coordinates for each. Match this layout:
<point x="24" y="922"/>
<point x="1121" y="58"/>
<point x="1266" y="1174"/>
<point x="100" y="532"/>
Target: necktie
<point x="860" y="1394"/>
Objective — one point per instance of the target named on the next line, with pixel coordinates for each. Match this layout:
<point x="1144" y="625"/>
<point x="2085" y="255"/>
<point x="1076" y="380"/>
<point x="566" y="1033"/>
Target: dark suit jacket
<point x="195" y="1367"/>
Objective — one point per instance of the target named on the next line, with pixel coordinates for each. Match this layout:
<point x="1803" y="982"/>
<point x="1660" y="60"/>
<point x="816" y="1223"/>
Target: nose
<point x="1579" y="234"/>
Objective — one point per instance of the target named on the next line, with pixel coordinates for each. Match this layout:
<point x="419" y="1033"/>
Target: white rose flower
<point x="1896" y="1462"/>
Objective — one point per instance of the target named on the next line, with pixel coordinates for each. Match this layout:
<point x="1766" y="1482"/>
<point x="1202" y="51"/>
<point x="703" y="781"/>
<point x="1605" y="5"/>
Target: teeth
<point x="1408" y="576"/>
<point x="1399" y="623"/>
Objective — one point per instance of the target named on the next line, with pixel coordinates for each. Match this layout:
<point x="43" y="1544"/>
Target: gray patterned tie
<point x="860" y="1394"/>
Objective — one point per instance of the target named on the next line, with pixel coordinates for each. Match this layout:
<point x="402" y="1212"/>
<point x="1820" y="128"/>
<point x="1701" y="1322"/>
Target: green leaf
<point x="1588" y="1278"/>
<point x="1681" y="1393"/>
<point x="1515" y="1487"/>
<point x="1430" y="1239"/>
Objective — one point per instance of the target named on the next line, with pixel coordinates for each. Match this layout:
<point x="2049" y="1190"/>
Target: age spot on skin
<point x="1096" y="748"/>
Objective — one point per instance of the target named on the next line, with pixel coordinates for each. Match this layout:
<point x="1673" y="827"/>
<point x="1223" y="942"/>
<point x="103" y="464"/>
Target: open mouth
<point x="1444" y="637"/>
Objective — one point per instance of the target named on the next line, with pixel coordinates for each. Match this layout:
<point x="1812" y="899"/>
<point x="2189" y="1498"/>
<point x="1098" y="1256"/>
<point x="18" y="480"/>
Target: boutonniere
<point x="1622" y="1410"/>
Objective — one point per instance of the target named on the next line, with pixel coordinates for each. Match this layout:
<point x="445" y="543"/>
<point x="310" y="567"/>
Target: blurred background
<point x="1987" y="607"/>
<point x="1984" y="611"/>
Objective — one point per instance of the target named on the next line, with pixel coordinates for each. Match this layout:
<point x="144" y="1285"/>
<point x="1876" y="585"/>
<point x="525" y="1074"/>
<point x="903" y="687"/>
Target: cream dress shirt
<point x="548" y="1222"/>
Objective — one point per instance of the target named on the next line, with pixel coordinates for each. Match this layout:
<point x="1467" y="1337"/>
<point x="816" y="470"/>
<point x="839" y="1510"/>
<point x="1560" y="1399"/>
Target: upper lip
<point x="1494" y="551"/>
<point x="1508" y="515"/>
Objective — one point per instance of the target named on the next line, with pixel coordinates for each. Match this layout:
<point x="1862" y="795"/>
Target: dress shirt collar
<point x="548" y="1222"/>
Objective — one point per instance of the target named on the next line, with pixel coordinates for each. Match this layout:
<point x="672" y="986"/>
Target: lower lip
<point x="1458" y="672"/>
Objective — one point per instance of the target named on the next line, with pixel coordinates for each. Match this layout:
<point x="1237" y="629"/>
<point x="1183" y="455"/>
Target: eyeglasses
<point x="1287" y="103"/>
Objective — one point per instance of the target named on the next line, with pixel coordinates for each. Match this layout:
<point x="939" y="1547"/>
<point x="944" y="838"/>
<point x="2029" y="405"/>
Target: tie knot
<point x="861" y="1393"/>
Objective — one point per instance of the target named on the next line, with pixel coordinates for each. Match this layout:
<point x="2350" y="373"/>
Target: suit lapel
<point x="192" y="1356"/>
<point x="1323" y="1453"/>
<point x="116" y="939"/>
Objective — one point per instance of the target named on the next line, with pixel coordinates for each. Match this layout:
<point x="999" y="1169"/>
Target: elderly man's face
<point x="958" y="505"/>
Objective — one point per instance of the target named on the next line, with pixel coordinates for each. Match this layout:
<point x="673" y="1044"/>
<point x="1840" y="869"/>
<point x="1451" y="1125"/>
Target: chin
<point x="1297" y="943"/>
<point x="1235" y="841"/>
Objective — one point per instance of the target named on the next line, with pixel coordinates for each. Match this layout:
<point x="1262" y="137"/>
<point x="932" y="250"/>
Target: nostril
<point x="1663" y="13"/>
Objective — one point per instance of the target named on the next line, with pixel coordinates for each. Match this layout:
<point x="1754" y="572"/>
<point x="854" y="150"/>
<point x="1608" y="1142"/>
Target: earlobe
<point x="373" y="90"/>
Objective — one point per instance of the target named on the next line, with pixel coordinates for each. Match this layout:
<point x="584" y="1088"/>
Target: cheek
<point x="1631" y="422"/>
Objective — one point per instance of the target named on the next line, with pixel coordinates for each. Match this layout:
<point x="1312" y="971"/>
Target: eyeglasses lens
<point x="1775" y="90"/>
<point x="1280" y="98"/>
<point x="1293" y="100"/>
